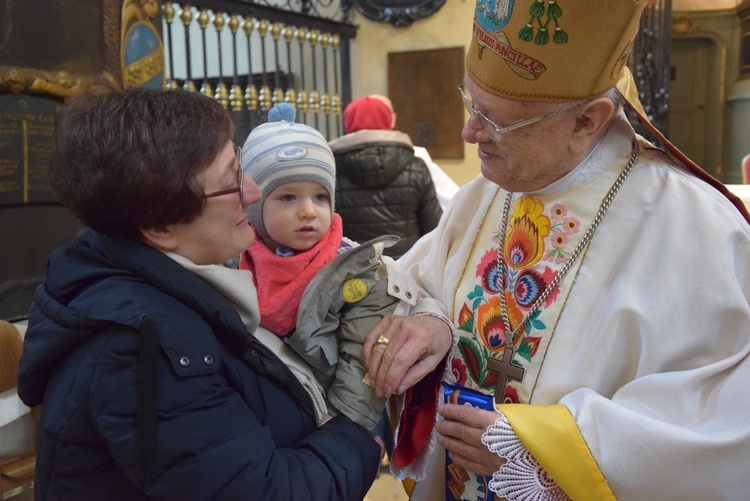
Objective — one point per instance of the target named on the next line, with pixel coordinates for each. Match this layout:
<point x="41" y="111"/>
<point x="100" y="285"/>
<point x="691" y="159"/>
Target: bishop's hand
<point x="408" y="350"/>
<point x="461" y="435"/>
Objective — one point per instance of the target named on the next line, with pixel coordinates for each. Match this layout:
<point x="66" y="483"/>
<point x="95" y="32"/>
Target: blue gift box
<point x="461" y="484"/>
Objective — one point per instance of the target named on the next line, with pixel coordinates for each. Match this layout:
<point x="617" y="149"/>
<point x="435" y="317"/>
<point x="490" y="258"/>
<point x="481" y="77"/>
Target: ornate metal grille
<point x="650" y="65"/>
<point x="252" y="55"/>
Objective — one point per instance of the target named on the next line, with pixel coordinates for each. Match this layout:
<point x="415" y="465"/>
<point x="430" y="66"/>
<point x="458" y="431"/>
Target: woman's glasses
<point x="240" y="179"/>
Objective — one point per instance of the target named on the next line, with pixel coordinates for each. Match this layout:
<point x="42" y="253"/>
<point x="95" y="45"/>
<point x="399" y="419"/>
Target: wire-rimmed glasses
<point x="240" y="179"/>
<point x="494" y="131"/>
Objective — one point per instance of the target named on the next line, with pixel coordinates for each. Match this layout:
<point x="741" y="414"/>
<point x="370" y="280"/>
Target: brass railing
<point x="250" y="57"/>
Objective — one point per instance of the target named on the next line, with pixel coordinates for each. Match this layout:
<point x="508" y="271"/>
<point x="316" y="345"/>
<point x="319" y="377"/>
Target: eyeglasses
<point x="240" y="179"/>
<point x="494" y="131"/>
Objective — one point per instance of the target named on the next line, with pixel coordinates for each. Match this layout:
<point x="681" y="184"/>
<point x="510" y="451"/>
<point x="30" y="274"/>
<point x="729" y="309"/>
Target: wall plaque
<point x="26" y="127"/>
<point x="423" y="86"/>
<point x="50" y="50"/>
<point x="33" y="221"/>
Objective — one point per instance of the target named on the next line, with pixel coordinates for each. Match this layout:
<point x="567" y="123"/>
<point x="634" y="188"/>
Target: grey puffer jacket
<point x="382" y="188"/>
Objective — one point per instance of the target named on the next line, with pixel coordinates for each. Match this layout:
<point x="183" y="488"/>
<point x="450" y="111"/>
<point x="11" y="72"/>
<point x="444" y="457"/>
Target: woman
<point x="152" y="382"/>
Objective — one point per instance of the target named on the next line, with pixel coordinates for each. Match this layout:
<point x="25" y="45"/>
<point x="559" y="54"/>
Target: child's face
<point x="297" y="215"/>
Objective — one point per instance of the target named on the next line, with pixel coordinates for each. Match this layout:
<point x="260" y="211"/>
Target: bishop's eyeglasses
<point x="494" y="131"/>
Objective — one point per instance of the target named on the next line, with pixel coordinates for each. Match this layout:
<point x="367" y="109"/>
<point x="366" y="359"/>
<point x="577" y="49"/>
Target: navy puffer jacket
<point x="152" y="389"/>
<point x="382" y="188"/>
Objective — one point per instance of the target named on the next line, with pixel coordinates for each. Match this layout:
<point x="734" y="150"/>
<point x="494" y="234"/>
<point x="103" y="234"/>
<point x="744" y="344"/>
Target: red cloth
<point x="367" y="113"/>
<point x="280" y="281"/>
<point x="418" y="417"/>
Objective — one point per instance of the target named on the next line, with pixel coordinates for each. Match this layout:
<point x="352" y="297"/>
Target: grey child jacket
<point x="338" y="309"/>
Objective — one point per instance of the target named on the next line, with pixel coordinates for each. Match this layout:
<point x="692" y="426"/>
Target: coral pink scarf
<point x="282" y="280"/>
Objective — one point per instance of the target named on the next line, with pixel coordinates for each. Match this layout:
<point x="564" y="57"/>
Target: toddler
<point x="318" y="291"/>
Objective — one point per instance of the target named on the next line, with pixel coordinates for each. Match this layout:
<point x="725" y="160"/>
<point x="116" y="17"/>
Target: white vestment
<point x="646" y="343"/>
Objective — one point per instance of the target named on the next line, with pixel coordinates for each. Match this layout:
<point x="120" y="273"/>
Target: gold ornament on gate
<point x="186" y="16"/>
<point x="251" y="97"/>
<point x="251" y="91"/>
<point x="315" y="101"/>
<point x="265" y="98"/>
<point x="203" y="20"/>
<point x="303" y="100"/>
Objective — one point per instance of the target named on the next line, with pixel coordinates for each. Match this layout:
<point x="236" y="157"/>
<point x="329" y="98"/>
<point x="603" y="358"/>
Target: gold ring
<point x="382" y="340"/>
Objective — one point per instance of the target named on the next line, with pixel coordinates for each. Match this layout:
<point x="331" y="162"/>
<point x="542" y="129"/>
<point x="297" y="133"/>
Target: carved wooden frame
<point x="64" y="84"/>
<point x="399" y="13"/>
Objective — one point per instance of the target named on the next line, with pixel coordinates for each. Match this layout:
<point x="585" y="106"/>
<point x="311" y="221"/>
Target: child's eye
<point x="321" y="197"/>
<point x="288" y="198"/>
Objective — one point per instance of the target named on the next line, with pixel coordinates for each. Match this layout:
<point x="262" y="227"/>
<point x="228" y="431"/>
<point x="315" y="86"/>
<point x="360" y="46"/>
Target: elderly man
<point x="609" y="354"/>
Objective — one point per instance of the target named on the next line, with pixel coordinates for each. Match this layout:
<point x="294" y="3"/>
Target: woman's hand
<point x="461" y="435"/>
<point x="414" y="347"/>
<point x="377" y="439"/>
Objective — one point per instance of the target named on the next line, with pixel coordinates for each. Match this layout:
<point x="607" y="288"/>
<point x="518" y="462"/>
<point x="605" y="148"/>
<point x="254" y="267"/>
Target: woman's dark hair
<point x="131" y="159"/>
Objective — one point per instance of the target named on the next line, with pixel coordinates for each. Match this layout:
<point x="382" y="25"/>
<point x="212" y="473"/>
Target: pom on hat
<point x="282" y="151"/>
<point x="367" y="113"/>
<point x="282" y="112"/>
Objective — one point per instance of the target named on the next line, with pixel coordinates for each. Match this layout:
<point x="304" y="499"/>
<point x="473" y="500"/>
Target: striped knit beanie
<point x="281" y="151"/>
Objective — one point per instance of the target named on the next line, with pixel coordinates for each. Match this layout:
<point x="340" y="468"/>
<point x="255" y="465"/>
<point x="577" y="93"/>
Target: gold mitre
<point x="564" y="50"/>
<point x="551" y="50"/>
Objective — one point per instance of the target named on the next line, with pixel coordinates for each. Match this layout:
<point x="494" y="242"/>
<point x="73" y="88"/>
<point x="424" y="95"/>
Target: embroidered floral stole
<point x="543" y="230"/>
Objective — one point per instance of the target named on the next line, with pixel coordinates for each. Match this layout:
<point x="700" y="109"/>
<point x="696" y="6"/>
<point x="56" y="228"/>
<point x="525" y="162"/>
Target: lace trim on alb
<point x="521" y="478"/>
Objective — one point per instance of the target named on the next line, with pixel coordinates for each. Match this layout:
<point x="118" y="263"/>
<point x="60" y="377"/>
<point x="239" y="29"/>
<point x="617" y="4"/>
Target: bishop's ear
<point x="593" y="120"/>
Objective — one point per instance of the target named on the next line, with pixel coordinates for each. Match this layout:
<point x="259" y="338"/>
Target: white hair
<point x="612" y="94"/>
